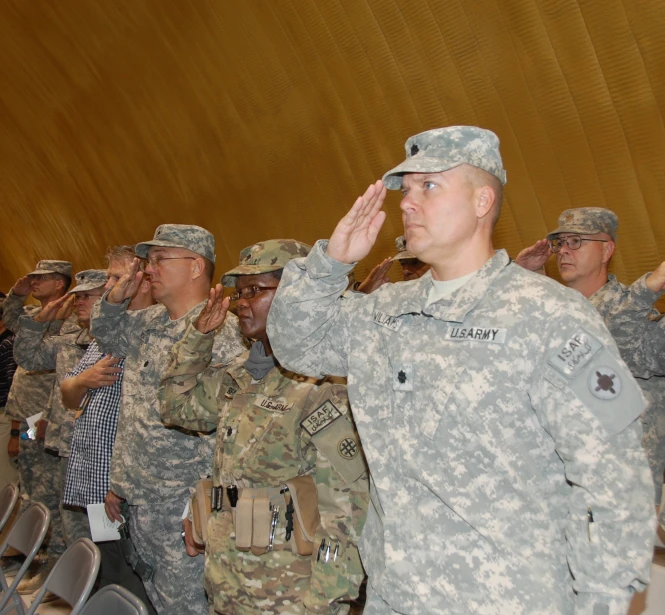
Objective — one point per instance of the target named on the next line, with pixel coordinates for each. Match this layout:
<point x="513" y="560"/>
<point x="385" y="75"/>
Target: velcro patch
<point x="323" y="416"/>
<point x="270" y="403"/>
<point x="575" y="353"/>
<point x="230" y="392"/>
<point x="488" y="335"/>
<point x="385" y="320"/>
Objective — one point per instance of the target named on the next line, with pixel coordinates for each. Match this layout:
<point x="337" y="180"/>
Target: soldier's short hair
<point x="122" y="252"/>
<point x="66" y="280"/>
<point x="209" y="270"/>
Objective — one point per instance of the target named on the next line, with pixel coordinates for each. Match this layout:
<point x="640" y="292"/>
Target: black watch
<point x="15" y="433"/>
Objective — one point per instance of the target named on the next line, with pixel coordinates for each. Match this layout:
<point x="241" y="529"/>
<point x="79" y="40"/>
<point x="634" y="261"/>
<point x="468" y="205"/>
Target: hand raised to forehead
<point x="22" y="287"/>
<point x="53" y="309"/>
<point x="377" y="277"/>
<point x="534" y="257"/>
<point x="127" y="285"/>
<point x="214" y="312"/>
<point x="357" y="231"/>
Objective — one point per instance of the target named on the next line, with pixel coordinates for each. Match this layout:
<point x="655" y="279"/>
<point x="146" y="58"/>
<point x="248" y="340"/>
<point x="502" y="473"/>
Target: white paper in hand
<point x="102" y="528"/>
<point x="31" y="420"/>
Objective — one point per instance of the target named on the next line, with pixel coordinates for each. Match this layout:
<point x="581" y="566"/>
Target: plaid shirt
<point x="94" y="434"/>
<point x="7" y="365"/>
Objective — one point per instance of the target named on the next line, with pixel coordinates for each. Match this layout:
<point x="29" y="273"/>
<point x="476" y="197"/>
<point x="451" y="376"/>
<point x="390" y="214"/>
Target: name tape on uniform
<point x="476" y="334"/>
<point x="386" y="320"/>
<point x="323" y="416"/>
<point x="575" y="353"/>
<point x="278" y="405"/>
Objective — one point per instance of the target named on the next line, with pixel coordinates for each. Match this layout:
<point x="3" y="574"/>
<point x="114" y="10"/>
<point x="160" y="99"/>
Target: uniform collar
<point x="270" y="385"/>
<point x="453" y="308"/>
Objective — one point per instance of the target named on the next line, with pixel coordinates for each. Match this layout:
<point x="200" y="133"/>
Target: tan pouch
<point x="303" y="494"/>
<point x="243" y="521"/>
<point x="200" y="506"/>
<point x="261" y="517"/>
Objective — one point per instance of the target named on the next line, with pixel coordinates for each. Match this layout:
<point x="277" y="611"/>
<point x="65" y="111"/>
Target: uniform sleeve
<point x="308" y="323"/>
<point x="587" y="400"/>
<point x="33" y="351"/>
<point x="341" y="477"/>
<point x="114" y="327"/>
<point x="189" y="390"/>
<point x="12" y="310"/>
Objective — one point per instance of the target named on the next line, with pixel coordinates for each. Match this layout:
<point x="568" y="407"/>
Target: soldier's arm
<point x="114" y="327"/>
<point x="229" y="342"/>
<point x="341" y="478"/>
<point x="308" y="320"/>
<point x="12" y="310"/>
<point x="33" y="351"/>
<point x="589" y="403"/>
<point x="189" y="389"/>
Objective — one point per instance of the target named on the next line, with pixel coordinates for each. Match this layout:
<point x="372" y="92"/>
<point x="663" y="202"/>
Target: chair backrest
<point x="26" y="537"/>
<point x="8" y="498"/>
<point x="114" y="600"/>
<point x="72" y="576"/>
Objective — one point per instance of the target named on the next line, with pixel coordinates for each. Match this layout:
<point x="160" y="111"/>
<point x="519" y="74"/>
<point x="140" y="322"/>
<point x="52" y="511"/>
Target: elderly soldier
<point x="507" y="472"/>
<point x="584" y="243"/>
<point x="35" y="352"/>
<point x="29" y="395"/>
<point x="268" y="434"/>
<point x="153" y="466"/>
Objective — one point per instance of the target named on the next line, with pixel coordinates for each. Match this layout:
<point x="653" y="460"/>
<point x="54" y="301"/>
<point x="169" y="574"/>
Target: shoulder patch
<point x="575" y="353"/>
<point x="321" y="418"/>
<point x="385" y="320"/>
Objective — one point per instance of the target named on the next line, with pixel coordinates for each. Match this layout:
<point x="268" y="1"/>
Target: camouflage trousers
<point x="653" y="429"/>
<point x="39" y="475"/>
<point x="241" y="583"/>
<point x="75" y="522"/>
<point x="177" y="585"/>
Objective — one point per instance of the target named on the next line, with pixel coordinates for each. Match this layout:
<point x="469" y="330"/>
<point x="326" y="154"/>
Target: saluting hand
<point x="656" y="280"/>
<point x="214" y="312"/>
<point x="356" y="232"/>
<point x="22" y="288"/>
<point x="127" y="285"/>
<point x="59" y="309"/>
<point x="534" y="257"/>
<point x="377" y="277"/>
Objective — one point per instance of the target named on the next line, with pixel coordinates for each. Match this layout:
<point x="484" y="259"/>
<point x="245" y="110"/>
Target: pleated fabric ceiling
<point x="266" y="118"/>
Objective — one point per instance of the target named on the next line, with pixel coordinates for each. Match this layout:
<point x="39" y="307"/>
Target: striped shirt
<point x="7" y="366"/>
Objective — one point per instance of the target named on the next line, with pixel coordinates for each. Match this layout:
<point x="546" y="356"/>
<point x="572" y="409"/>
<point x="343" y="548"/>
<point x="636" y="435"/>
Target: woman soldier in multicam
<point x="272" y="426"/>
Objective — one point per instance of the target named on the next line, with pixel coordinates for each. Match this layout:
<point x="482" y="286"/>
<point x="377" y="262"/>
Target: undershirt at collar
<point x="443" y="288"/>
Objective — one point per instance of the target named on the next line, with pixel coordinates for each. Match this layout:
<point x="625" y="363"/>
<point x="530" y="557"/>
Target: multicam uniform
<point x="265" y="436"/>
<point x="500" y="435"/>
<point x="626" y="311"/>
<point x="35" y="352"/>
<point x="153" y="467"/>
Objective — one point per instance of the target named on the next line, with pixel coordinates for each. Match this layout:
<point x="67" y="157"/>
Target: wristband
<point x="15" y="433"/>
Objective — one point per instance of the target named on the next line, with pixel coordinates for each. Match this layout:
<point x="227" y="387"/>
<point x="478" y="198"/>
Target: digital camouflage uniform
<point x="498" y="428"/>
<point x="263" y="439"/>
<point x="154" y="466"/>
<point x="29" y="395"/>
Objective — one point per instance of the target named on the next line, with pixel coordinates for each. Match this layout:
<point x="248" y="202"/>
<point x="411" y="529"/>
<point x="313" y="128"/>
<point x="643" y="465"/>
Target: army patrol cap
<point x="61" y="267"/>
<point x="89" y="279"/>
<point x="186" y="236"/>
<point x="443" y="149"/>
<point x="587" y="221"/>
<point x="402" y="253"/>
<point x="264" y="257"/>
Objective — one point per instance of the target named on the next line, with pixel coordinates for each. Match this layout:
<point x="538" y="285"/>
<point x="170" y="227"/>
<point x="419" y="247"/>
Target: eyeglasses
<point x="86" y="296"/>
<point x="249" y="292"/>
<point x="156" y="261"/>
<point x="574" y="242"/>
<point x="42" y="276"/>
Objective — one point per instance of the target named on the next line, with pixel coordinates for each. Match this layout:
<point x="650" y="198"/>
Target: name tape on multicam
<point x="574" y="353"/>
<point x="278" y="405"/>
<point x="476" y="334"/>
<point x="386" y="320"/>
<point x="323" y="416"/>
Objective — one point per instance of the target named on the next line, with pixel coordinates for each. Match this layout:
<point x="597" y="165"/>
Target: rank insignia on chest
<point x="276" y="404"/>
<point x="385" y="320"/>
<point x="488" y="335"/>
<point x="323" y="416"/>
<point x="230" y="392"/>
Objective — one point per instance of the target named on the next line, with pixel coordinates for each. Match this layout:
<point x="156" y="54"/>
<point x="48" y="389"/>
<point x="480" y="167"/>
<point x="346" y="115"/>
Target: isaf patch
<point x="604" y="382"/>
<point x="323" y="416"/>
<point x="386" y="320"/>
<point x="575" y="353"/>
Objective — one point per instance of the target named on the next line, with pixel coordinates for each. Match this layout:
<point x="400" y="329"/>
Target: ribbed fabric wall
<point x="266" y="118"/>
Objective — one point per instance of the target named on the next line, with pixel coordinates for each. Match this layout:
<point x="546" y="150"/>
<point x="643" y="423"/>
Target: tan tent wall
<point x="266" y="118"/>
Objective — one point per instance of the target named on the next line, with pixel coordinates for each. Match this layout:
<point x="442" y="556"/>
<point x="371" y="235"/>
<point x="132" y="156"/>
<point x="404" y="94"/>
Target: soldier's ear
<point x="485" y="200"/>
<point x="198" y="267"/>
<point x="608" y="250"/>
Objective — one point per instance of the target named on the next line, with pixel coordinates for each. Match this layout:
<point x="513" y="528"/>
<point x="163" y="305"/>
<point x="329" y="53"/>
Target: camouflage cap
<point x="402" y="253"/>
<point x="264" y="257"/>
<point x="186" y="236"/>
<point x="442" y="149"/>
<point x="587" y="221"/>
<point x="89" y="279"/>
<point x="61" y="267"/>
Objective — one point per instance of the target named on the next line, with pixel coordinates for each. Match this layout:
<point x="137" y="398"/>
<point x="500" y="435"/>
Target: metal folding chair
<point x="114" y="600"/>
<point x="72" y="576"/>
<point x="26" y="537"/>
<point x="8" y="499"/>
